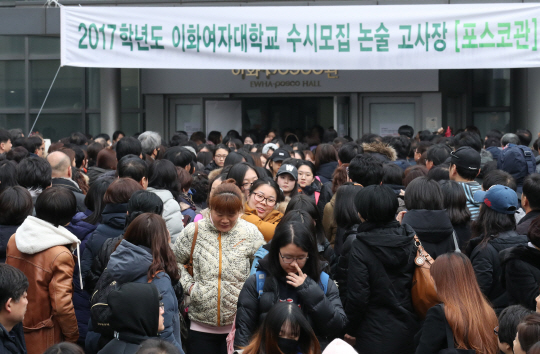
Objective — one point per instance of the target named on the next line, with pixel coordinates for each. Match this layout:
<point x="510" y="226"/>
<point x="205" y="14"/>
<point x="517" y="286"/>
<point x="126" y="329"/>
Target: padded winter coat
<point x="266" y="226"/>
<point x="113" y="220"/>
<point x="171" y="212"/>
<point x="130" y="263"/>
<point x="379" y="303"/>
<point x="6" y="231"/>
<point x="487" y="265"/>
<point x="221" y="265"/>
<point x="433" y="228"/>
<point x="521" y="274"/>
<point x="323" y="311"/>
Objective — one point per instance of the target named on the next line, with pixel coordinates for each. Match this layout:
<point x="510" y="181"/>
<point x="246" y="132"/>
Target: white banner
<point x="302" y="38"/>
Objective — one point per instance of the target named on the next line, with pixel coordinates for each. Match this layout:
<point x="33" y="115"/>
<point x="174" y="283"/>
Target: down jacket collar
<point x="114" y="215"/>
<point x="390" y="243"/>
<point x="35" y="235"/>
<point x="381" y="151"/>
<point x="431" y="226"/>
<point x="129" y="262"/>
<point x="524" y="253"/>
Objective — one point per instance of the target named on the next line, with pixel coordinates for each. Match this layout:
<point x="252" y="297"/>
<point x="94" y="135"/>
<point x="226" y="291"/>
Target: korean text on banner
<point x="303" y="38"/>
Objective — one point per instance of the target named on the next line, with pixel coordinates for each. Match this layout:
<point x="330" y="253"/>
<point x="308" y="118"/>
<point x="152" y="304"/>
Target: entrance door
<point x="384" y="115"/>
<point x="186" y="114"/>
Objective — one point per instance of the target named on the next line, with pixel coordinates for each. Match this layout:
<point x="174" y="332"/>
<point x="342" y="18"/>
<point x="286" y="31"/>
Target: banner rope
<point x="45" y="100"/>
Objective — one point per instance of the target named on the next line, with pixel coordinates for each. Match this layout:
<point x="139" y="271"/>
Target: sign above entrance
<point x="302" y="38"/>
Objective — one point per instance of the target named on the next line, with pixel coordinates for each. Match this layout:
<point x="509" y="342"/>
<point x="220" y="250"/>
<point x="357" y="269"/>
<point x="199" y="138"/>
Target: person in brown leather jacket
<point x="42" y="249"/>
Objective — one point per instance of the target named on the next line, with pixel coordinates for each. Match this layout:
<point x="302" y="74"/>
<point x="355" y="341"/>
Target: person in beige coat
<point x="222" y="247"/>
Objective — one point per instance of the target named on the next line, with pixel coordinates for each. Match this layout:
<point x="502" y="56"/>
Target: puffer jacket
<point x="312" y="189"/>
<point x="326" y="171"/>
<point x="221" y="265"/>
<point x="43" y="253"/>
<point x="487" y="265"/>
<point x="266" y="226"/>
<point x="521" y="274"/>
<point x="379" y="302"/>
<point x="325" y="197"/>
<point x="171" y="212"/>
<point x="433" y="228"/>
<point x="130" y="263"/>
<point x="113" y="220"/>
<point x="329" y="221"/>
<point x="94" y="172"/>
<point x="341" y="268"/>
<point x="323" y="311"/>
<point x="81" y="298"/>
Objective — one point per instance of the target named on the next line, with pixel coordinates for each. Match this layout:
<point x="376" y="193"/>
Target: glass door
<point x="384" y="115"/>
<point x="186" y="114"/>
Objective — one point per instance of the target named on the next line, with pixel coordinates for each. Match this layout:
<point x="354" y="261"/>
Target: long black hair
<point x="490" y="224"/>
<point x="162" y="175"/>
<point x="238" y="172"/>
<point x="299" y="234"/>
<point x="143" y="202"/>
<point x="423" y="193"/>
<point x="94" y="199"/>
<point x="344" y="210"/>
<point x="305" y="203"/>
<point x="455" y="202"/>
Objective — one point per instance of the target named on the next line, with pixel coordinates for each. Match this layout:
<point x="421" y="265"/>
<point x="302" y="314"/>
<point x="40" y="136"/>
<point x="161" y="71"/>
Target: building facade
<point x="355" y="102"/>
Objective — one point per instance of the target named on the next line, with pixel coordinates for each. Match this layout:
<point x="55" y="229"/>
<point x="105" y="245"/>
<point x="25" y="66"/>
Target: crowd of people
<point x="270" y="243"/>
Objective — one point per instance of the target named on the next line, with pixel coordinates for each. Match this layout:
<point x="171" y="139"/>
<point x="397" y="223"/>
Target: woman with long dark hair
<point x="455" y="203"/>
<point x="145" y="256"/>
<point x="244" y="174"/>
<point x="260" y="210"/>
<point x="345" y="215"/>
<point x="285" y="330"/>
<point x="305" y="203"/>
<point x="427" y="217"/>
<point x="464" y="309"/>
<point x="220" y="248"/>
<point x="326" y="162"/>
<point x="495" y="230"/>
<point x="380" y="274"/>
<point x="291" y="272"/>
<point x="307" y="180"/>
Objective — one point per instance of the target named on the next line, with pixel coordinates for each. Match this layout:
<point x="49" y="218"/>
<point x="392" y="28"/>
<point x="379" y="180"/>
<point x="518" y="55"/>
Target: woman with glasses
<point x="464" y="310"/>
<point x="291" y="272"/>
<point x="259" y="209"/>
<point x="220" y="248"/>
<point x="244" y="174"/>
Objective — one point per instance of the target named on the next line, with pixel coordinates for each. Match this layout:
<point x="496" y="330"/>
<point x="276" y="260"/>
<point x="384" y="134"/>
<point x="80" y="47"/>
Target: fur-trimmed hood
<point x="381" y="151"/>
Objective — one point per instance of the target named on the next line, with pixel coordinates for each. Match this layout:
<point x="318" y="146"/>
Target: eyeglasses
<point x="221" y="156"/>
<point x="496" y="330"/>
<point x="289" y="260"/>
<point x="259" y="197"/>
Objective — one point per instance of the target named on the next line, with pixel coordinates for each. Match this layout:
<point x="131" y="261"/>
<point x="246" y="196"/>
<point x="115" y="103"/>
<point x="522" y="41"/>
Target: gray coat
<point x="171" y="212"/>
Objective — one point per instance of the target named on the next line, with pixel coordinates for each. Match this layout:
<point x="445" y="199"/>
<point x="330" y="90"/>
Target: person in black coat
<point x="113" y="219"/>
<point x="463" y="304"/>
<point x="292" y="274"/>
<point x="427" y="217"/>
<point x="15" y="206"/>
<point x="521" y="270"/>
<point x="496" y="226"/>
<point x="135" y="319"/>
<point x="455" y="203"/>
<point x="381" y="267"/>
<point x="530" y="201"/>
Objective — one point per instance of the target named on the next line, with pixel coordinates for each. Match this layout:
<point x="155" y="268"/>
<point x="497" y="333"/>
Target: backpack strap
<point x="260" y="277"/>
<point x="324" y="281"/>
<point x="189" y="266"/>
<point x="317" y="195"/>
<point x="529" y="158"/>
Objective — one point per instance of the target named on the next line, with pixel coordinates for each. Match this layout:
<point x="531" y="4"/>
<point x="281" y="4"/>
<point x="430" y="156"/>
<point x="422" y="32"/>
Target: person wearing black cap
<point x="464" y="167"/>
<point x="287" y="180"/>
<point x="137" y="315"/>
<point x="495" y="231"/>
<point x="274" y="162"/>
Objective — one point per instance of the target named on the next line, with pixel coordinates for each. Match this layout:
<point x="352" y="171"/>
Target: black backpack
<point x="100" y="312"/>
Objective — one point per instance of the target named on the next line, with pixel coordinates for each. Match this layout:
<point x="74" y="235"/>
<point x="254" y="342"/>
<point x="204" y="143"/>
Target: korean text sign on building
<point x="303" y="38"/>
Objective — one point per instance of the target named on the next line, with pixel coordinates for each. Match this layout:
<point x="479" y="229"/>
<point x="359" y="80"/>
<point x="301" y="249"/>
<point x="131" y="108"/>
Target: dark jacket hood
<point x="135" y="318"/>
<point x="326" y="170"/>
<point x="524" y="253"/>
<point x="315" y="186"/>
<point x="129" y="262"/>
<point x="114" y="215"/>
<point x="395" y="187"/>
<point x="81" y="228"/>
<point x="390" y="243"/>
<point x="431" y="226"/>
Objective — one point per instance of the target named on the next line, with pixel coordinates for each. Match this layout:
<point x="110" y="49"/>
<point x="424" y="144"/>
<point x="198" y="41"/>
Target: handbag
<point x="450" y="341"/>
<point x="189" y="266"/>
<point x="423" y="291"/>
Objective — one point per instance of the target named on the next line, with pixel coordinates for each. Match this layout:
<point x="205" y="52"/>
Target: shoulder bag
<point x="423" y="291"/>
